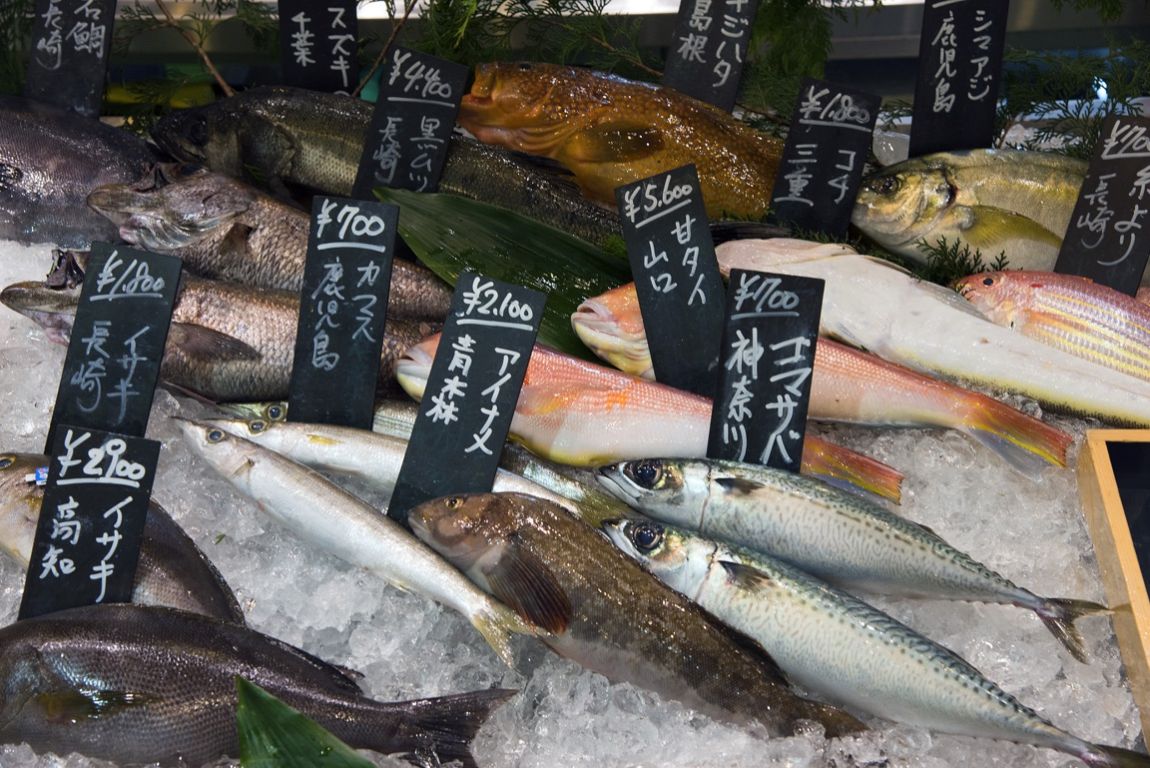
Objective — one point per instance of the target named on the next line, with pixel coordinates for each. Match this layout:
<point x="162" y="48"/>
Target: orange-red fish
<point x="576" y="412"/>
<point x="609" y="131"/>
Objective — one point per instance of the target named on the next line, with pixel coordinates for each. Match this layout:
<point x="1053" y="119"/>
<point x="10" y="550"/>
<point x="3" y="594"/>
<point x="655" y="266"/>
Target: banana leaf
<point x="273" y="735"/>
<point x="449" y="234"/>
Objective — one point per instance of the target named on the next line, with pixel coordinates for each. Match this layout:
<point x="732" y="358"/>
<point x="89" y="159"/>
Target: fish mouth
<point x="598" y="328"/>
<point x="412" y="369"/>
<point x="608" y="477"/>
<point x="483" y="85"/>
<point x="54" y="311"/>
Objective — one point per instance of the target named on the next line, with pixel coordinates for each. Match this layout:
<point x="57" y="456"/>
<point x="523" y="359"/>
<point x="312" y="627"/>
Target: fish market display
<point x="831" y="642"/>
<point x="144" y="684"/>
<point x="608" y="614"/>
<point x="875" y="306"/>
<point x="328" y="517"/>
<point x="1069" y="312"/>
<point x="848" y="385"/>
<point x="227" y="342"/>
<point x="224" y="229"/>
<point x="609" y="131"/>
<point x="50" y="159"/>
<point x="992" y="199"/>
<point x="171" y="569"/>
<point x="575" y="412"/>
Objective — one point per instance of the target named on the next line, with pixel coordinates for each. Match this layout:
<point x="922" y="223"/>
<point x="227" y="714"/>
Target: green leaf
<point x="273" y="735"/>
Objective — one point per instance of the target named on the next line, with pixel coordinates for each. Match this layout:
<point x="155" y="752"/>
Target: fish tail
<point x="497" y="624"/>
<point x="1113" y="757"/>
<point x="1024" y="442"/>
<point x="444" y="727"/>
<point x="1059" y="616"/>
<point x="850" y="470"/>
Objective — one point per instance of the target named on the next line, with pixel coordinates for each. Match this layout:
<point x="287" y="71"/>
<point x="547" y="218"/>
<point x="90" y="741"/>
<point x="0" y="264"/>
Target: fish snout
<point x="413" y="368"/>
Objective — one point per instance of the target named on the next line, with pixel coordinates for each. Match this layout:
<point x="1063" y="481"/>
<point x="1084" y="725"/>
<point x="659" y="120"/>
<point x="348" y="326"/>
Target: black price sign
<point x="960" y="66"/>
<point x="706" y="55"/>
<point x="343" y="304"/>
<point x="676" y="276"/>
<point x="768" y="354"/>
<point x="91" y="521"/>
<point x="410" y="129"/>
<point x="68" y="60"/>
<point x="1109" y="235"/>
<point x="318" y="45"/>
<point x="822" y="165"/>
<point x="117" y="341"/>
<point x="471" y="392"/>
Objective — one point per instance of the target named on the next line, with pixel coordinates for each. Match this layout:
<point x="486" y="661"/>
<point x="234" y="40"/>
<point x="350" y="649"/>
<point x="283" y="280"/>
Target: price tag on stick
<point x="768" y="355"/>
<point x="1108" y="239"/>
<point x="117" y="341"/>
<point x="822" y="164"/>
<point x="411" y="126"/>
<point x="706" y="55"/>
<point x="676" y="276"/>
<point x="343" y="308"/>
<point x="959" y="69"/>
<point x="471" y="392"/>
<point x="318" y="45"/>
<point x="68" y="58"/>
<point x="91" y="521"/>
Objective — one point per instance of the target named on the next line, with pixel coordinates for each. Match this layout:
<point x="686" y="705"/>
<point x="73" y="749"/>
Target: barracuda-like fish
<point x="575" y="412"/>
<point x="873" y="305"/>
<point x="326" y="516"/>
<point x="1069" y="312"/>
<point x="139" y="685"/>
<point x="171" y="570"/>
<point x="832" y="535"/>
<point x="850" y="386"/>
<point x="227" y="342"/>
<point x="835" y="644"/>
<point x="608" y="614"/>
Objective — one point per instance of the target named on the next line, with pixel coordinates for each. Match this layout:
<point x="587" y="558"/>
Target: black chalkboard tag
<point x="117" y="341"/>
<point x="676" y="276"/>
<point x="1108" y="239"/>
<point x="768" y="355"/>
<point x="410" y="129"/>
<point x="471" y="393"/>
<point x="318" y="45"/>
<point x="343" y="304"/>
<point x="68" y="56"/>
<point x="959" y="70"/>
<point x="706" y="54"/>
<point x="823" y="159"/>
<point x="91" y="521"/>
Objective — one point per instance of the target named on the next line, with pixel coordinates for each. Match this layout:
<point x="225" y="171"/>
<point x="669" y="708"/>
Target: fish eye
<point x="524" y="66"/>
<point x="216" y="435"/>
<point x="275" y="412"/>
<point x="646" y="473"/>
<point x="453" y="502"/>
<point x="257" y="426"/>
<point x="7" y="461"/>
<point x="646" y="536"/>
<point x="888" y="185"/>
<point x="988" y="281"/>
<point x="198" y="132"/>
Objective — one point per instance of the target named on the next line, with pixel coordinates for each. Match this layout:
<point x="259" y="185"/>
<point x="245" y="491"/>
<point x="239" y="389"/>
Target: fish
<point x="1069" y="312"/>
<point x="835" y="536"/>
<point x="226" y="342"/>
<point x="171" y="569"/>
<point x="848" y="385"/>
<point x="575" y="412"/>
<point x="994" y="200"/>
<point x="145" y="684"/>
<point x="609" y="131"/>
<point x="50" y="159"/>
<point x="839" y="646"/>
<point x="870" y="304"/>
<point x="326" y="516"/>
<point x="224" y="229"/>
<point x="607" y="614"/>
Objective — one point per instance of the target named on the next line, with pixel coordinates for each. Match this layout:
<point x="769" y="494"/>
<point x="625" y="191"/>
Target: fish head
<point x="902" y="204"/>
<point x="52" y="309"/>
<point x="471" y="531"/>
<point x="669" y="489"/>
<point x="1000" y="296"/>
<point x="611" y="326"/>
<point x="230" y="455"/>
<point x="414" y="366"/>
<point x="207" y="135"/>
<point x="20" y="498"/>
<point x="678" y="560"/>
<point x="271" y="412"/>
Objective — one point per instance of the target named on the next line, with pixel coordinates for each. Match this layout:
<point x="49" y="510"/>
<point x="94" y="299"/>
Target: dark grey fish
<point x="171" y="571"/>
<point x="49" y="161"/>
<point x="137" y="684"/>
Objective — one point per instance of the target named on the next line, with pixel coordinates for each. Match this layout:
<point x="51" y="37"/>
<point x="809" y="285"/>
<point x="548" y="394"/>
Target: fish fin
<point x="738" y="485"/>
<point x="1113" y="757"/>
<point x="202" y="343"/>
<point x="447" y="725"/>
<point x="613" y="142"/>
<point x="991" y="227"/>
<point x="497" y="626"/>
<point x="1024" y="442"/>
<point x="746" y="576"/>
<point x="527" y="586"/>
<point x="1059" y="616"/>
<point x="71" y="705"/>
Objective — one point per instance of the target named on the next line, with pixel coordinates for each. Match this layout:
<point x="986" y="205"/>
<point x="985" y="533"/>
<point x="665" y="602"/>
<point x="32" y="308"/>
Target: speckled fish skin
<point x="138" y="685"/>
<point x="835" y="536"/>
<point x="171" y="570"/>
<point x="992" y="199"/>
<point x="1069" y="312"/>
<point x="617" y="620"/>
<point x="50" y="160"/>
<point x="226" y="342"/>
<point x="837" y="645"/>
<point x="609" y="131"/>
<point x="224" y="229"/>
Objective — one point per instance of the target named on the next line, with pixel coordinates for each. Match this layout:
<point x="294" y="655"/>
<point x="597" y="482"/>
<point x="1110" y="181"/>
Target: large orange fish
<point x="579" y="413"/>
<point x="609" y="131"/>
